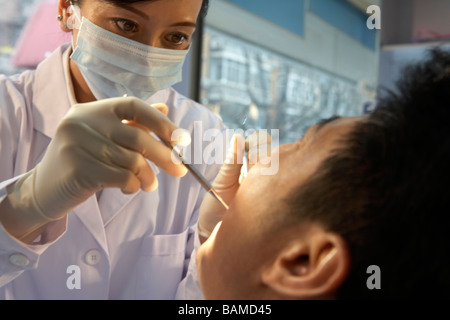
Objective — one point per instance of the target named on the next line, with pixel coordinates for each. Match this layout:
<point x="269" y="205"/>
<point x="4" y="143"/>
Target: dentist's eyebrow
<point x="131" y="9"/>
<point x="184" y="24"/>
<point x="146" y="17"/>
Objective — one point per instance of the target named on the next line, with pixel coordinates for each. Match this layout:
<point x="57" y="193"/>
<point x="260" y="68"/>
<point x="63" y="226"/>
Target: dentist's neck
<point x="81" y="90"/>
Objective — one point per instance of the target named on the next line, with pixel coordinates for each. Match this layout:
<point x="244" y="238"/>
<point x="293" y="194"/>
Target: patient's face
<point x="230" y="262"/>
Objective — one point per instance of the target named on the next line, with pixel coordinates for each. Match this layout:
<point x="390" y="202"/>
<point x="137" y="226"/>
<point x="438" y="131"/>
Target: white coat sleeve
<point x="15" y="127"/>
<point x="16" y="256"/>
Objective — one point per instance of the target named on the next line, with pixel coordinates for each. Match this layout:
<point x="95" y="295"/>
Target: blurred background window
<point x="253" y="87"/>
<point x="287" y="64"/>
<point x="29" y="33"/>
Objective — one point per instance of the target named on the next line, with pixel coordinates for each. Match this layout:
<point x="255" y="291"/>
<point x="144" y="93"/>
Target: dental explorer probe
<point x="200" y="178"/>
<point x="197" y="175"/>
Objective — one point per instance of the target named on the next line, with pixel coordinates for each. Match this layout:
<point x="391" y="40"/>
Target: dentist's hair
<point x="386" y="190"/>
<point x="203" y="11"/>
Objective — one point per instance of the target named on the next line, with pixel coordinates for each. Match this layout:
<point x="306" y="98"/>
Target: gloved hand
<point x="94" y="149"/>
<point x="228" y="180"/>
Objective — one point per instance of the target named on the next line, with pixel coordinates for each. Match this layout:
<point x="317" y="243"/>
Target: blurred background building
<point x="286" y="64"/>
<point x="270" y="64"/>
<point x="14" y="14"/>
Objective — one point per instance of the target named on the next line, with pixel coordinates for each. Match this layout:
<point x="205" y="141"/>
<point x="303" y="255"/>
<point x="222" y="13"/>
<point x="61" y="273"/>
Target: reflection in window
<point x="252" y="87"/>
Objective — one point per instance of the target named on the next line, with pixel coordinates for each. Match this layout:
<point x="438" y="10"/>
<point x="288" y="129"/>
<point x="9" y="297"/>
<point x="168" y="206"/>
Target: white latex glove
<point x="94" y="149"/>
<point x="228" y="180"/>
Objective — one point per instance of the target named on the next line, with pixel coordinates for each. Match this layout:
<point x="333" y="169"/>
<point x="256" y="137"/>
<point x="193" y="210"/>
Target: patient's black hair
<point x="386" y="190"/>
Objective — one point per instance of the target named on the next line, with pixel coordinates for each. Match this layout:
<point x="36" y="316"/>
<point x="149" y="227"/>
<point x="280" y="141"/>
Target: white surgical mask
<point x="114" y="66"/>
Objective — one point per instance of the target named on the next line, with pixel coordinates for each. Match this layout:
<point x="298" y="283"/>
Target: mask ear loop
<point x="75" y="20"/>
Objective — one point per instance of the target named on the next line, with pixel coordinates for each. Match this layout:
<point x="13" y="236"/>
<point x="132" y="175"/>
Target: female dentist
<point x="91" y="207"/>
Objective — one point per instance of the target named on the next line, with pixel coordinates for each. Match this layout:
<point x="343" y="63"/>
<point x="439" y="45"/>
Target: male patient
<point x="353" y="197"/>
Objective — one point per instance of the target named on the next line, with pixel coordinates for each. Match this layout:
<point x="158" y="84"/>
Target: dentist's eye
<point x="177" y="38"/>
<point x="126" y="26"/>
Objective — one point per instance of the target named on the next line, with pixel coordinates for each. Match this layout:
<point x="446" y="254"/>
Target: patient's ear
<point x="311" y="267"/>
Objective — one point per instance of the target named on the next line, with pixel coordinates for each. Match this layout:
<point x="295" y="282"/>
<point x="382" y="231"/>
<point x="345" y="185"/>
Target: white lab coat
<point x="118" y="247"/>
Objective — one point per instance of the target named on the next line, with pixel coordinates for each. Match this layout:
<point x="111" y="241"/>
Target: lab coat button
<point x="92" y="257"/>
<point x="19" y="260"/>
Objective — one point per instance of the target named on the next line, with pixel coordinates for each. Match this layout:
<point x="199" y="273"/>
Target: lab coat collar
<point x="53" y="91"/>
<point x="89" y="213"/>
<point x="53" y="98"/>
<point x="111" y="203"/>
<point x="113" y="200"/>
